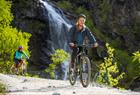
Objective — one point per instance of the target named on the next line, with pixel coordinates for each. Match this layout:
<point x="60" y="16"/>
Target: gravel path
<point x="18" y="85"/>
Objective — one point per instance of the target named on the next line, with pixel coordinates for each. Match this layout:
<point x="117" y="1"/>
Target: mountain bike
<point x="82" y="67"/>
<point x="21" y="70"/>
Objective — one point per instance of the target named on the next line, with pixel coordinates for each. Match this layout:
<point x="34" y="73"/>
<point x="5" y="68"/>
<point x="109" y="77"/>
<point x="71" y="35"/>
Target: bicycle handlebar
<point x="84" y="45"/>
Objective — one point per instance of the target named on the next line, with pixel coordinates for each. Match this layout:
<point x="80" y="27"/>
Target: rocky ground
<point x="19" y="85"/>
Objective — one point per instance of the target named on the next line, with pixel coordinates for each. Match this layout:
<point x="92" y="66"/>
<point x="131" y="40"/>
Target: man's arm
<point x="91" y="38"/>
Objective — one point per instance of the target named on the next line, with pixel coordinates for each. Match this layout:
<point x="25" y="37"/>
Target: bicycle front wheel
<point x="72" y="74"/>
<point x="85" y="71"/>
<point x="13" y="69"/>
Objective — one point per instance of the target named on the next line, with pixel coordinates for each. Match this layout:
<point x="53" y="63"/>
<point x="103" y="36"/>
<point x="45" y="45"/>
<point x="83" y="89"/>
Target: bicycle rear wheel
<point x="23" y="69"/>
<point x="85" y="71"/>
<point x="72" y="74"/>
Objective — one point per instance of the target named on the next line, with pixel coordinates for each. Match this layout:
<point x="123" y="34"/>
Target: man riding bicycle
<point x="77" y="35"/>
<point x="18" y="57"/>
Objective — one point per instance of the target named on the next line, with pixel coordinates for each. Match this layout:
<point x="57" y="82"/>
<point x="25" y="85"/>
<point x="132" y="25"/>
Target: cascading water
<point x="59" y="26"/>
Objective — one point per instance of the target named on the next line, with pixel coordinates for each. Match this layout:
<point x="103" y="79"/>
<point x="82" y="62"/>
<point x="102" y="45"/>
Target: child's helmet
<point x="20" y="47"/>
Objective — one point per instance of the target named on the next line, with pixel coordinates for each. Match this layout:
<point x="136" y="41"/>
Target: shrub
<point x="5" y="14"/>
<point x="109" y="72"/>
<point x="133" y="68"/>
<point x="57" y="58"/>
<point x="123" y="59"/>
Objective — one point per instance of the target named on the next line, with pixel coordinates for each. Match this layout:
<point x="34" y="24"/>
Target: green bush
<point x="133" y="68"/>
<point x="57" y="58"/>
<point x="5" y="14"/>
<point x="10" y="38"/>
<point x="123" y="59"/>
<point x="109" y="71"/>
<point x="131" y="65"/>
<point x="136" y="56"/>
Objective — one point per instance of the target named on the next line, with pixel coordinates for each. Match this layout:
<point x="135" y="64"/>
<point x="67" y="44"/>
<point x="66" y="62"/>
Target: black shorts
<point x="17" y="61"/>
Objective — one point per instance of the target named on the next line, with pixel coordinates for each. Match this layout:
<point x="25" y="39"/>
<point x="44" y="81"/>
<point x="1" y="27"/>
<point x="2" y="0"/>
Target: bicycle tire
<point x="23" y="69"/>
<point x="85" y="61"/>
<point x="72" y="74"/>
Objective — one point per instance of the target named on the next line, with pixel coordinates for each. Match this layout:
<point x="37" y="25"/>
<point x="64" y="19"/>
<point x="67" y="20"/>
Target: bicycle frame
<point x="83" y="52"/>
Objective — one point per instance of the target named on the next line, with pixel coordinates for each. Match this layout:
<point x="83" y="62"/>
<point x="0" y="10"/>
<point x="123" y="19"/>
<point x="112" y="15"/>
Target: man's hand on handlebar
<point x="72" y="45"/>
<point x="95" y="45"/>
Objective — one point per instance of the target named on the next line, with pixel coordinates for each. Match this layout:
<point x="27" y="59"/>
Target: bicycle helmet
<point x="81" y="15"/>
<point x="20" y="47"/>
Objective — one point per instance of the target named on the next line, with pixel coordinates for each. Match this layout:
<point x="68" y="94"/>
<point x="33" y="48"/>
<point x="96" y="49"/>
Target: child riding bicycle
<point x="18" y="57"/>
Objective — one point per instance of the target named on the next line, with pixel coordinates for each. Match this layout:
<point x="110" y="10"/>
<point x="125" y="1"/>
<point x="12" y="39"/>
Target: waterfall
<point x="58" y="25"/>
<point x="57" y="32"/>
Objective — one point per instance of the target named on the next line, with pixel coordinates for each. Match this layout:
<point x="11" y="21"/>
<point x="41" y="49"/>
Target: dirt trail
<point x="19" y="85"/>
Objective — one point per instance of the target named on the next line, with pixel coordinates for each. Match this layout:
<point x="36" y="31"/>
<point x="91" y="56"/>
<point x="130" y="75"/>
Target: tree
<point x="10" y="38"/>
<point x="5" y="13"/>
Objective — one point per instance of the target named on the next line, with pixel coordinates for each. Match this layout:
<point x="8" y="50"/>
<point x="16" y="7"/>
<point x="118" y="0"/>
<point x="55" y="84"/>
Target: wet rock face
<point x="28" y="17"/>
<point x="122" y="17"/>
